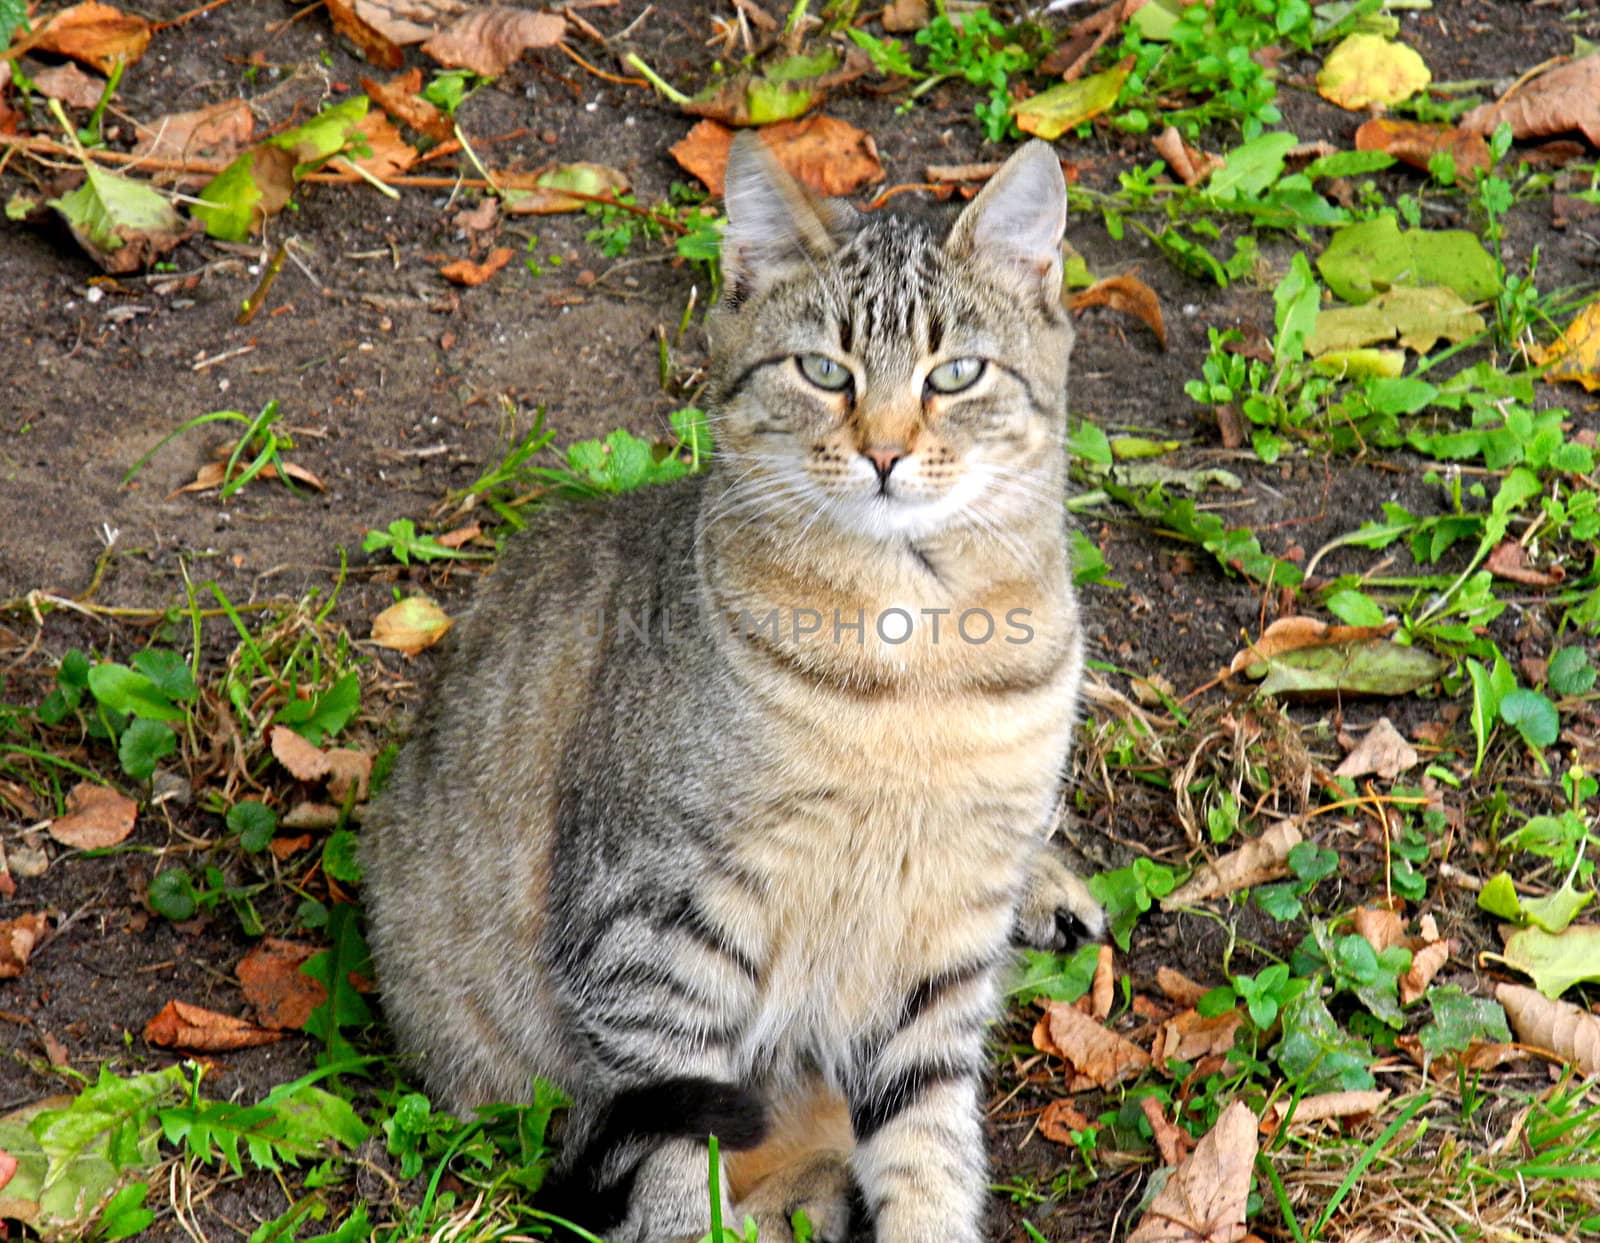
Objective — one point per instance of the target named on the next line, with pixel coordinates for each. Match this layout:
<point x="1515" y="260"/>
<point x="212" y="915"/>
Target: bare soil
<point x="397" y="388"/>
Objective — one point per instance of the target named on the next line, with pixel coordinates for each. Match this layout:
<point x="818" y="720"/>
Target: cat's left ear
<point x="1016" y="223"/>
<point x="774" y="222"/>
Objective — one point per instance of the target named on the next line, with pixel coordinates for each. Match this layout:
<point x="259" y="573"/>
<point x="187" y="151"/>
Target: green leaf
<point x="143" y="745"/>
<point x="1311" y="862"/>
<point x="1129" y="892"/>
<point x="1315" y="1054"/>
<point x="112" y="1118"/>
<point x="1531" y="715"/>
<point x="1555" y="961"/>
<point x="1296" y="300"/>
<point x="324" y="135"/>
<point x="1090" y="444"/>
<point x="123" y="224"/>
<point x="333" y="967"/>
<point x="323" y="714"/>
<point x="1369" y="667"/>
<point x="1418" y="318"/>
<point x="125" y="1214"/>
<point x="1488" y="688"/>
<point x="12" y="14"/>
<point x="121" y="689"/>
<point x="171" y="895"/>
<point x="1051" y="113"/>
<point x="254" y="823"/>
<point x="1553" y="913"/>
<point x="339" y="858"/>
<point x="1281" y="902"/>
<point x="1570" y="671"/>
<point x="1499" y="897"/>
<point x="257" y="184"/>
<point x="1459" y="1019"/>
<point x="1364" y="259"/>
<point x="1059" y="977"/>
<point x="168" y="671"/>
<point x="1354" y="608"/>
<point x="1251" y="168"/>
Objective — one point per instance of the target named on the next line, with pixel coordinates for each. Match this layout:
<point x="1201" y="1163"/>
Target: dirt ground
<point x="397" y="388"/>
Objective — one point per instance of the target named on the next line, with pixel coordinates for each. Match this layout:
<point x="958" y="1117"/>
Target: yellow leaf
<point x="410" y="626"/>
<point x="1052" y="113"/>
<point x="1367" y="69"/>
<point x="1576" y="354"/>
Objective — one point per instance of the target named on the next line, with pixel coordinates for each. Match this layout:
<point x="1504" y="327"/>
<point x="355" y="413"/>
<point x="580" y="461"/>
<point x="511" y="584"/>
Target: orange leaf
<point x="830" y="156"/>
<point x="17" y="940"/>
<point x="1383" y="751"/>
<point x="489" y="41"/>
<point x="391" y="154"/>
<point x="1328" y="1105"/>
<point x="1102" y="992"/>
<point x="95" y="34"/>
<point x="1560" y="99"/>
<point x="1128" y="294"/>
<point x="1416" y="143"/>
<point x="1575" y="355"/>
<point x="97" y="817"/>
<point x="1426" y="963"/>
<point x="1097" y="1057"/>
<point x="373" y="44"/>
<point x="398" y="97"/>
<point x="1289" y="634"/>
<point x="1189" y="165"/>
<point x="1178" y="987"/>
<point x="349" y="770"/>
<point x="466" y="272"/>
<point x="1204" y="1200"/>
<point x="1059" y="1120"/>
<point x="281" y="995"/>
<point x="71" y="85"/>
<point x="1381" y="928"/>
<point x="1190" y="1036"/>
<point x="1171" y="1141"/>
<point x="304" y="761"/>
<point x="182" y="1026"/>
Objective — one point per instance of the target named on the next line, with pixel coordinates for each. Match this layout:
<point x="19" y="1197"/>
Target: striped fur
<point x="744" y="867"/>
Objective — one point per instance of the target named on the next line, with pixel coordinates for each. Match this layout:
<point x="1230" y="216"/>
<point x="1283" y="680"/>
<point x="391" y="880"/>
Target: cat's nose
<point x="883" y="461"/>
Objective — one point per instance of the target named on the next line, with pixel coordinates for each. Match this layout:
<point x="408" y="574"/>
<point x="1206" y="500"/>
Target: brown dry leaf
<point x="1379" y="926"/>
<point x="901" y="16"/>
<point x="71" y="85"/>
<point x="304" y="761"/>
<point x="400" y="99"/>
<point x="1328" y="1105"/>
<point x="1560" y="1027"/>
<point x="1190" y="1036"/>
<point x="97" y="817"/>
<point x="17" y="940"/>
<point x="212" y="474"/>
<point x="409" y="21"/>
<point x="1415" y="143"/>
<point x="1426" y="963"/>
<point x="1558" y="100"/>
<point x="95" y="34"/>
<point x="479" y="219"/>
<point x="462" y="536"/>
<point x="1104" y="989"/>
<point x="350" y="769"/>
<point x="1128" y="294"/>
<point x="391" y="154"/>
<point x="1204" y="1200"/>
<point x="287" y="847"/>
<point x="1059" y="1120"/>
<point x="1172" y="1142"/>
<point x="374" y="45"/>
<point x="830" y="156"/>
<point x="1262" y="859"/>
<point x="466" y="272"/>
<point x="1509" y="561"/>
<point x="217" y="133"/>
<point x="1575" y="355"/>
<point x="489" y="41"/>
<point x="410" y="626"/>
<point x="552" y="191"/>
<point x="1177" y="987"/>
<point x="182" y="1026"/>
<point x="310" y="816"/>
<point x="959" y="173"/>
<point x="1097" y="1057"/>
<point x="1190" y="165"/>
<point x="1383" y="751"/>
<point x="1289" y="634"/>
<point x="278" y="991"/>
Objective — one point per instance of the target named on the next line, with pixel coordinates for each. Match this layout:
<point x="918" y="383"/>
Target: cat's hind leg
<point x="802" y="1166"/>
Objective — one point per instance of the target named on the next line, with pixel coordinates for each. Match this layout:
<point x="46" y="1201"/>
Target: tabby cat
<point x="733" y="793"/>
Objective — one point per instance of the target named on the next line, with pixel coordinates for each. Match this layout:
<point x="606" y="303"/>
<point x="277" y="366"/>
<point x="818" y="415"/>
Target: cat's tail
<point x="593" y="1185"/>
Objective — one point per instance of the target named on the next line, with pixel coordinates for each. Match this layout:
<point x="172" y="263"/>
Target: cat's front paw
<point x="820" y="1188"/>
<point x="1057" y="911"/>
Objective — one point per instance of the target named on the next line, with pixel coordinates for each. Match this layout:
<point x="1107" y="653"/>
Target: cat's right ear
<point x="1016" y="223"/>
<point x="774" y="222"/>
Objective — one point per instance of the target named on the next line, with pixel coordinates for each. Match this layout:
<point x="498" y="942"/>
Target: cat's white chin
<point x="895" y="519"/>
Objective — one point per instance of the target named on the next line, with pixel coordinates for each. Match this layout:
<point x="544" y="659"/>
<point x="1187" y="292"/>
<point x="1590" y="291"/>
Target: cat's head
<point x="867" y="373"/>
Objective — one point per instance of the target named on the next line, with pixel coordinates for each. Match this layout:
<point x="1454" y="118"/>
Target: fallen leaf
<point x="1051" y="113"/>
<point x="1261" y="859"/>
<point x="1179" y="988"/>
<point x="830" y="156"/>
<point x="1204" y="1200"/>
<point x="1509" y="561"/>
<point x="1362" y="260"/>
<point x="1417" y="318"/>
<point x="279" y="993"/>
<point x="1289" y="634"/>
<point x="214" y="133"/>
<point x="124" y="225"/>
<point x="1189" y="165"/>
<point x="350" y="770"/>
<point x="55" y="1052"/>
<point x="462" y="536"/>
<point x="71" y="85"/>
<point x="1096" y="1056"/>
<point x="901" y="16"/>
<point x="304" y="761"/>
<point x="1417" y="143"/>
<point x="180" y="1025"/>
<point x="1570" y="1033"/>
<point x="390" y="155"/>
<point x="1190" y="1036"/>
<point x="311" y="816"/>
<point x="400" y="98"/>
<point x="1103" y="989"/>
<point x="1374" y="668"/>
<point x="18" y="937"/>
<point x="1575" y="355"/>
<point x="409" y="21"/>
<point x="1128" y="294"/>
<point x="287" y="847"/>
<point x="97" y="35"/>
<point x="97" y="817"/>
<point x="466" y="272"/>
<point x="962" y="172"/>
<point x="1383" y="751"/>
<point x="786" y="90"/>
<point x="1380" y="927"/>
<point x="1426" y="963"/>
<point x="1367" y="69"/>
<point x="1172" y="1142"/>
<point x="1554" y="961"/>
<point x="1327" y="1105"/>
<point x="410" y="626"/>
<point x="479" y="219"/>
<point x="489" y="41"/>
<point x="1059" y="1120"/>
<point x="542" y="194"/>
<point x="1560" y="99"/>
<point x="374" y="45"/>
<point x="1553" y="912"/>
<point x="259" y="183"/>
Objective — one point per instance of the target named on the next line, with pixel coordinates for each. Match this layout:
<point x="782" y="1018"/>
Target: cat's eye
<point x="823" y="371"/>
<point x="955" y="375"/>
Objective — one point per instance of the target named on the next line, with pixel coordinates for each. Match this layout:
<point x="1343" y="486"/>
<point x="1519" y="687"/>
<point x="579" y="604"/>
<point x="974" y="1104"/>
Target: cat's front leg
<point x="919" y="1159"/>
